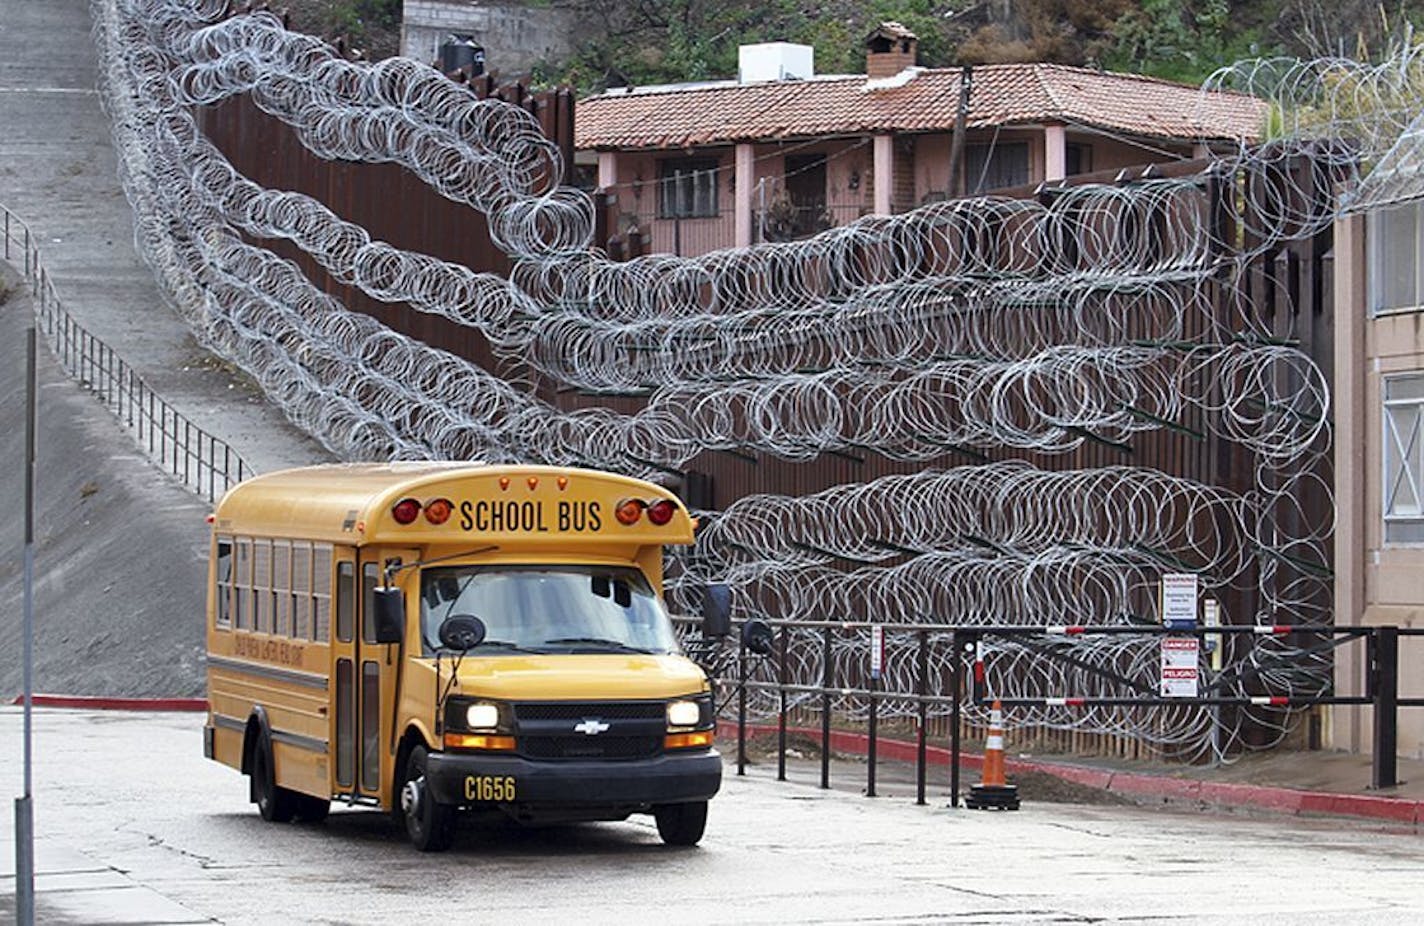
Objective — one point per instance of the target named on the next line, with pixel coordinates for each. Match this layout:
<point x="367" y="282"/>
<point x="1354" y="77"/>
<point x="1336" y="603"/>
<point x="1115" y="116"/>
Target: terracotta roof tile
<point x="916" y="101"/>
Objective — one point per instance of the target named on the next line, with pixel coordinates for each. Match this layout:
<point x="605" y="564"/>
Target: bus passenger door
<point x="377" y="671"/>
<point x="345" y="656"/>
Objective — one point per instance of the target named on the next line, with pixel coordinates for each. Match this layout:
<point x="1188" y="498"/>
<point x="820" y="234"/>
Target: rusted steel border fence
<point x="204" y="463"/>
<point x="965" y="684"/>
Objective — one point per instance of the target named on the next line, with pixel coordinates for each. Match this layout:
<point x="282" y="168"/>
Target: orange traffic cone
<point x="993" y="792"/>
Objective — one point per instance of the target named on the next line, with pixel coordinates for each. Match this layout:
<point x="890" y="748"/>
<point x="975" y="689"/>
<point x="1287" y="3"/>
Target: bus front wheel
<point x="429" y="824"/>
<point x="681" y="824"/>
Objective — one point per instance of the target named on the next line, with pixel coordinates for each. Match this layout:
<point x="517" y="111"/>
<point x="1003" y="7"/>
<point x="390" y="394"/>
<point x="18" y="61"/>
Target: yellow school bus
<point x="431" y="638"/>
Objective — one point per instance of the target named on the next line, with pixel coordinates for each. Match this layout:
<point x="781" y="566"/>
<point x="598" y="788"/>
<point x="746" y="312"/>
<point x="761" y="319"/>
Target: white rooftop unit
<point x="775" y="61"/>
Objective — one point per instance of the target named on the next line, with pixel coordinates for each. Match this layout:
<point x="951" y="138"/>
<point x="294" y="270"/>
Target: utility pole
<point x="956" y="186"/>
<point x="24" y="805"/>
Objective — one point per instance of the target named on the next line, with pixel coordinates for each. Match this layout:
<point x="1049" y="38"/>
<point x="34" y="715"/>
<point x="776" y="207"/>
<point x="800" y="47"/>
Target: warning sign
<point x="1179" y="599"/>
<point x="1179" y="666"/>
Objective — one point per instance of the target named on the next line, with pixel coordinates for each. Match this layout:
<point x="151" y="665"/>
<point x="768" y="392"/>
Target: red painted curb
<point x="1281" y="800"/>
<point x="99" y="703"/>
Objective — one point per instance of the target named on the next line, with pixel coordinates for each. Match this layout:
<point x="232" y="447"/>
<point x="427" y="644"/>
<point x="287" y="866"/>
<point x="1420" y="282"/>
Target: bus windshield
<point x="547" y="609"/>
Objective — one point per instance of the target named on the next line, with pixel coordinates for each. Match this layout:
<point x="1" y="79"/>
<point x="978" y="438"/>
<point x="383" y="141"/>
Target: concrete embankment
<point x="120" y="549"/>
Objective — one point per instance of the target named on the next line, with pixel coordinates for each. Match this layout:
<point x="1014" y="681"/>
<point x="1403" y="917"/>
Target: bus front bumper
<point x="470" y="778"/>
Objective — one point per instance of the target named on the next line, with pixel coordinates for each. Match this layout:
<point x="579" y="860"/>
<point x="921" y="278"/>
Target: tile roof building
<point x="733" y="162"/>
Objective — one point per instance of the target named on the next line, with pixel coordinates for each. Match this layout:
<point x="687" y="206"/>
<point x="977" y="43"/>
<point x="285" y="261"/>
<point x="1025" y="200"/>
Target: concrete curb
<point x="1134" y="785"/>
<point x="99" y="703"/>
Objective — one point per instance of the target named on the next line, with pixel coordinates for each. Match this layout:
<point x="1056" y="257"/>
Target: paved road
<point x="135" y="826"/>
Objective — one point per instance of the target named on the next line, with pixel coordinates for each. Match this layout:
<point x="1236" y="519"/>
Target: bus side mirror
<point x="461" y="632"/>
<point x="757" y="636"/>
<point x="716" y="612"/>
<point x="390" y="615"/>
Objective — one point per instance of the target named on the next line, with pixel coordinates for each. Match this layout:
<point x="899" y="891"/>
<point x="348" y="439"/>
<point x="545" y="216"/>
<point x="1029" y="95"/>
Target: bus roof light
<point x="438" y="511"/>
<point x="405" y="511"/>
<point x="661" y="511"/>
<point x="629" y="511"/>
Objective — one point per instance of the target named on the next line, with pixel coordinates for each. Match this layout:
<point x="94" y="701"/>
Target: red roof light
<point x="405" y="511"/>
<point x="661" y="511"/>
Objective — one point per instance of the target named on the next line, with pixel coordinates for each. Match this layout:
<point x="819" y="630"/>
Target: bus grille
<point x="590" y="747"/>
<point x="578" y="710"/>
<point x="553" y="730"/>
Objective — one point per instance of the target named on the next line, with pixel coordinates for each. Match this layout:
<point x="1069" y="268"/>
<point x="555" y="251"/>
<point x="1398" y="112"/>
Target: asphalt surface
<point x="134" y="825"/>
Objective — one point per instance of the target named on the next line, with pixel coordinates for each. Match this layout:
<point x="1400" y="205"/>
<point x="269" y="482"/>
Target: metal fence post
<point x="827" y="679"/>
<point x="922" y="689"/>
<point x="870" y="751"/>
<point x="956" y="680"/>
<point x="742" y="705"/>
<point x="781" y="709"/>
<point x="1385" y="672"/>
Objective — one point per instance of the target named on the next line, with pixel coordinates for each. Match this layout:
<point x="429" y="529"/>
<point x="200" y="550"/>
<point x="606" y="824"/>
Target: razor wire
<point x="1099" y="313"/>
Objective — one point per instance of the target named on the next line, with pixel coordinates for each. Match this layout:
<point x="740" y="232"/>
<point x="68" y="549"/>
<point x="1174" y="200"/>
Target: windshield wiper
<point x="618" y="645"/>
<point x="505" y="644"/>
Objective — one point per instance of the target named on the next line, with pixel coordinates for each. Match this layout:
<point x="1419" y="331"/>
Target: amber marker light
<point x="563" y="482"/>
<point x="694" y="740"/>
<point x="533" y="483"/>
<point x="439" y="510"/>
<point x="629" y="511"/>
<point x="485" y="741"/>
<point x="504" y="483"/>
<point x="405" y="511"/>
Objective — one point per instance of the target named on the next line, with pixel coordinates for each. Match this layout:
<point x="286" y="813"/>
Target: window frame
<point x="1409" y="462"/>
<point x="1377" y="255"/>
<point x="671" y="174"/>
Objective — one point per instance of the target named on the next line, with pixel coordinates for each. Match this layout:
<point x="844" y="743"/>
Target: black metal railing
<point x="927" y="644"/>
<point x="204" y="463"/>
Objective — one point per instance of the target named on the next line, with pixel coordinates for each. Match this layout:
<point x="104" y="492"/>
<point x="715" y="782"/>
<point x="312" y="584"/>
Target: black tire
<point x="430" y="825"/>
<point x="312" y="809"/>
<point x="275" y="804"/>
<point x="681" y="824"/>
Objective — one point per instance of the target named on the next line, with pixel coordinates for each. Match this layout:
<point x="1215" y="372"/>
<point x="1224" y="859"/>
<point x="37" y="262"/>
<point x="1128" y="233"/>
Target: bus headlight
<point x="683" y="714"/>
<point x="482" y="716"/>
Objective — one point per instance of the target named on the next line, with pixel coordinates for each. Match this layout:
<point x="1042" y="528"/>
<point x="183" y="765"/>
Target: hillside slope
<point x="120" y="548"/>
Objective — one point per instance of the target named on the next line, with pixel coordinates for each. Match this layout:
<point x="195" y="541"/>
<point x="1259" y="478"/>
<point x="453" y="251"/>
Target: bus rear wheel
<point x="681" y="824"/>
<point x="276" y="804"/>
<point x="429" y="824"/>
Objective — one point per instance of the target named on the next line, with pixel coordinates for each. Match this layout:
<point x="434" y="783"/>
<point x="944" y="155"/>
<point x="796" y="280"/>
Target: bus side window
<point x="243" y="583"/>
<point x="321" y="592"/>
<point x="222" y="586"/>
<point x="370" y="578"/>
<point x="262" y="583"/>
<point x="282" y="587"/>
<point x="345" y="601"/>
<point x="301" y="590"/>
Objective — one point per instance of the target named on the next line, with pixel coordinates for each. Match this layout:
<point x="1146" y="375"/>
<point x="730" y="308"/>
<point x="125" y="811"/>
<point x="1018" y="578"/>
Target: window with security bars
<point x="1404" y="459"/>
<point x="687" y="188"/>
<point x="1394" y="237"/>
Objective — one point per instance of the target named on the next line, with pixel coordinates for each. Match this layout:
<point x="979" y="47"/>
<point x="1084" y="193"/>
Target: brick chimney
<point x="889" y="50"/>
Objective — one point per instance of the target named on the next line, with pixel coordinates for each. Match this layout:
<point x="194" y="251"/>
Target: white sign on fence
<point x="1179" y="666"/>
<point x="877" y="650"/>
<point x="1179" y="599"/>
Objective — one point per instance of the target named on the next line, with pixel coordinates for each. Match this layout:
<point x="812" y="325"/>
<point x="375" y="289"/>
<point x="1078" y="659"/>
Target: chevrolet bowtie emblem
<point x="591" y="725"/>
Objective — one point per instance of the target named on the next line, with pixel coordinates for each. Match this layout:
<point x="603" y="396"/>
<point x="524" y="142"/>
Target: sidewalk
<point x="1303" y="783"/>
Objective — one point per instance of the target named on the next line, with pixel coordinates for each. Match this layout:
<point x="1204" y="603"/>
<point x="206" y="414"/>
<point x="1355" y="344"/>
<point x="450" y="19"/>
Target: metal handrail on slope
<point x="203" y="462"/>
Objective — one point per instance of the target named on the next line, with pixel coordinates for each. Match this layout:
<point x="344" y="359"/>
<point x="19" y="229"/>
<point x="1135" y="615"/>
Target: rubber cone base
<point x="993" y="797"/>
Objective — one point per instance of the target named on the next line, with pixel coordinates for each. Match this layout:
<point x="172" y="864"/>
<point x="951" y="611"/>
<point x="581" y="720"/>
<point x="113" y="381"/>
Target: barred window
<point x="687" y="188"/>
<point x="1404" y="459"/>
